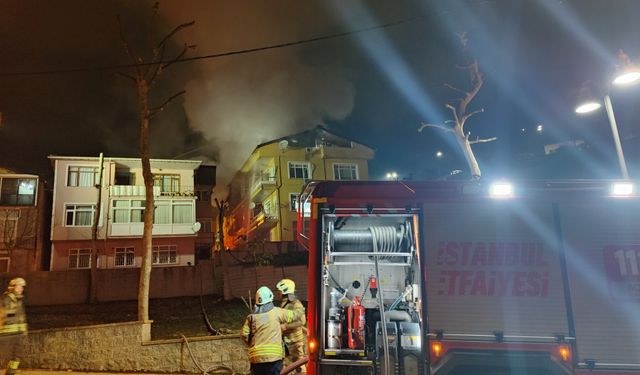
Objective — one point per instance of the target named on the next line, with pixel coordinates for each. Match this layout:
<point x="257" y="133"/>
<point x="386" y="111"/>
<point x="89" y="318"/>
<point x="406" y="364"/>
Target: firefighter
<point x="13" y="320"/>
<point x="262" y="334"/>
<point x="293" y="332"/>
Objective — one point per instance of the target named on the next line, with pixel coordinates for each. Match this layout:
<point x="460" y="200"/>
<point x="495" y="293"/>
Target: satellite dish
<point x="283" y="145"/>
<point x="196" y="227"/>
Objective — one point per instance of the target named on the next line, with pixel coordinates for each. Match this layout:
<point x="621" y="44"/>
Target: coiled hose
<point x="380" y="232"/>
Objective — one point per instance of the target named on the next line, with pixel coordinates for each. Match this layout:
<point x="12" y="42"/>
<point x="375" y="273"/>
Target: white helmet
<point x="264" y="296"/>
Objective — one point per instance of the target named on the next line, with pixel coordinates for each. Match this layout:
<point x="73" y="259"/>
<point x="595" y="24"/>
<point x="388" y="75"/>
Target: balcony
<point x="263" y="185"/>
<point x="173" y="216"/>
<point x="139" y="191"/>
<point x="260" y="225"/>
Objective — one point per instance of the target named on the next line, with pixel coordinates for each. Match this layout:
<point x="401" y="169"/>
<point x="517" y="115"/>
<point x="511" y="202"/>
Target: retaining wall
<point x="121" y="347"/>
<point x="72" y="287"/>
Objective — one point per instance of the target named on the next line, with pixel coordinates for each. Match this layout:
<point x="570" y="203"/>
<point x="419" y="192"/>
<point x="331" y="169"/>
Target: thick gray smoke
<point x="241" y="101"/>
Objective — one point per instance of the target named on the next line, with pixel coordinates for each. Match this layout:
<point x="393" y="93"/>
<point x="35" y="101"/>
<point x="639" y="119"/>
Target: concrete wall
<point x="72" y="287"/>
<point x="121" y="347"/>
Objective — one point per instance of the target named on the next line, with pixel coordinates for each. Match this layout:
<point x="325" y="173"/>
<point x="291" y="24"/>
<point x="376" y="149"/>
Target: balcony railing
<point x="261" y="224"/>
<point x="264" y="185"/>
<point x="139" y="191"/>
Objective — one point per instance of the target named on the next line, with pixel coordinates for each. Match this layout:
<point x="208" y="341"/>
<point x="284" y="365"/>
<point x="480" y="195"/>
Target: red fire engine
<point x="463" y="278"/>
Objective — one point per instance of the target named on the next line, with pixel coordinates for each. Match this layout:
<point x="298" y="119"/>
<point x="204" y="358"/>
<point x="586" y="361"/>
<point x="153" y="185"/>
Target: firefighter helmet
<point x="18" y="281"/>
<point x="286" y="286"/>
<point x="264" y="296"/>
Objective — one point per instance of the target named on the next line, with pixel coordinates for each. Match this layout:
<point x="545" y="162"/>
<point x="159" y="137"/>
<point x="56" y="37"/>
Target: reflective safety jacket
<point x="12" y="317"/>
<point x="294" y="334"/>
<point x="262" y="333"/>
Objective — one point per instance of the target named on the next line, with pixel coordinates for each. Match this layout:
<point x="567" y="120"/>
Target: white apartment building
<point x="120" y="225"/>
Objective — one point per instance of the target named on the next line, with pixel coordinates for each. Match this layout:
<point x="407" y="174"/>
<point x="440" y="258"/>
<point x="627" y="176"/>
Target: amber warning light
<point x="312" y="346"/>
<point x="564" y="352"/>
<point x="436" y="349"/>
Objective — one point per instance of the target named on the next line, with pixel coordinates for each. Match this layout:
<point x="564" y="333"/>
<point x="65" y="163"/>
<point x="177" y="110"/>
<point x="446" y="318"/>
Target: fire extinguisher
<point x="355" y="315"/>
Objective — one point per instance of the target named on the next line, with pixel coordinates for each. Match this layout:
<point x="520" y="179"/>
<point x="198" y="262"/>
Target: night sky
<point x="376" y="83"/>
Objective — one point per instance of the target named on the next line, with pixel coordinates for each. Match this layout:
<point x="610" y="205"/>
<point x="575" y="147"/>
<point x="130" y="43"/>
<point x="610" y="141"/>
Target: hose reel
<point x="390" y="239"/>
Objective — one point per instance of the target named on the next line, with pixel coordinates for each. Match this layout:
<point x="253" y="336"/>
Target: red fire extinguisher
<point x="355" y="315"/>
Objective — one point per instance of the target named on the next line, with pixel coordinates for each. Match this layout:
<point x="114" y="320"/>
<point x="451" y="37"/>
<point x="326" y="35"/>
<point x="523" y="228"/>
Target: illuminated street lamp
<point x="589" y="103"/>
<point x="439" y="154"/>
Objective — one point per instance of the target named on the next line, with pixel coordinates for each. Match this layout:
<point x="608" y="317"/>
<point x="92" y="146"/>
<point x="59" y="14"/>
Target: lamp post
<point x="629" y="75"/>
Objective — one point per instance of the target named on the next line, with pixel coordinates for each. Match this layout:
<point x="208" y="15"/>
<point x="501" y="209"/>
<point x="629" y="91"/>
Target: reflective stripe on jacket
<point x="294" y="333"/>
<point x="261" y="332"/>
<point x="13" y="314"/>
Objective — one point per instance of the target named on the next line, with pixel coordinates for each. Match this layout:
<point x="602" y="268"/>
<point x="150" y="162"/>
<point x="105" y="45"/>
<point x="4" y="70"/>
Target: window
<point x="79" y="258"/>
<point x="128" y="211"/>
<point x="168" y="183"/>
<point x="165" y="254"/>
<point x="267" y="208"/>
<point x="17" y="191"/>
<point x="182" y="212"/>
<point x="8" y="226"/>
<point x="345" y="172"/>
<point x="299" y="170"/>
<point x="293" y="201"/>
<point x="162" y="213"/>
<point x="82" y="176"/>
<point x="203" y="195"/>
<point x="124" y="256"/>
<point x="4" y="264"/>
<point x="125" y="178"/>
<point x="306" y="217"/>
<point x="80" y="215"/>
<point x="173" y="212"/>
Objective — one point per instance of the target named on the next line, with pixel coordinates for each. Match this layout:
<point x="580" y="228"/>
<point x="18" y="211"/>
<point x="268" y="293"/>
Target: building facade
<point x="263" y="194"/>
<point x="22" y="222"/>
<point x="205" y="180"/>
<point x="121" y="206"/>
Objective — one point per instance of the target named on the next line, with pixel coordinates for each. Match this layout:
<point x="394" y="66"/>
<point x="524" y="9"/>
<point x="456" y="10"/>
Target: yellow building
<point x="263" y="193"/>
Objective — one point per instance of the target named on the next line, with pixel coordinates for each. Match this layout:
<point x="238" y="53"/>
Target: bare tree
<point x="145" y="74"/>
<point x="221" y="206"/>
<point x="461" y="113"/>
<point x="18" y="227"/>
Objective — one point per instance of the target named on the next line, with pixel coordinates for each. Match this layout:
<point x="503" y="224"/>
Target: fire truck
<point x="444" y="277"/>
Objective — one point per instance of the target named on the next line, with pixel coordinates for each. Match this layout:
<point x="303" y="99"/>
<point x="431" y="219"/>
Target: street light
<point x="589" y="103"/>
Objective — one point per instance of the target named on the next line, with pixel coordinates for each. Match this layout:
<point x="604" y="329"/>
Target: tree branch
<point x="160" y="108"/>
<point x="455" y="113"/>
<point x="126" y="47"/>
<point x="466" y="117"/>
<point x="447" y="129"/>
<point x="172" y="33"/>
<point x="126" y="76"/>
<point x="482" y="140"/>
<point x="158" y="55"/>
<point x="455" y="88"/>
<point x="179" y="56"/>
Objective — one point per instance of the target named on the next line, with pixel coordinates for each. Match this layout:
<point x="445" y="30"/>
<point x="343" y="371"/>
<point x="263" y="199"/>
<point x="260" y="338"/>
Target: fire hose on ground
<point x="215" y="369"/>
<point x="295" y="365"/>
